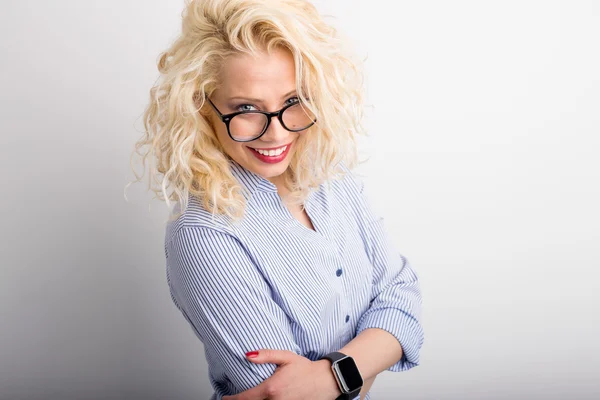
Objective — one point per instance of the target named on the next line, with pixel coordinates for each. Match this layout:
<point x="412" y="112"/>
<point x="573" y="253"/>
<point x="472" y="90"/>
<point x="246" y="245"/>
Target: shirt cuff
<point x="404" y="328"/>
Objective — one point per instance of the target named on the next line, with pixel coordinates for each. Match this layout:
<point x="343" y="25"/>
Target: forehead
<point x="257" y="74"/>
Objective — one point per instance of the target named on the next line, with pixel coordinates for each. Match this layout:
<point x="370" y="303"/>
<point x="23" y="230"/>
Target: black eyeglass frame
<point x="226" y="118"/>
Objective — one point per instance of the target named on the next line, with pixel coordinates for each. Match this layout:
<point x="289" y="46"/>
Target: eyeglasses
<point x="245" y="126"/>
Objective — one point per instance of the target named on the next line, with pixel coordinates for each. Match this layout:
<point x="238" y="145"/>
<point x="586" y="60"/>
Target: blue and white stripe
<point x="271" y="282"/>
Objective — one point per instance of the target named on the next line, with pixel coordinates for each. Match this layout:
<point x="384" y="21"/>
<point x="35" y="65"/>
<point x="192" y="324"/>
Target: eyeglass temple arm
<point x="213" y="106"/>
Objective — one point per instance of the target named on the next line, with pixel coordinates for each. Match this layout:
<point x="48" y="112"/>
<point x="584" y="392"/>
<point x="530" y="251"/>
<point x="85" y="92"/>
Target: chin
<point x="271" y="171"/>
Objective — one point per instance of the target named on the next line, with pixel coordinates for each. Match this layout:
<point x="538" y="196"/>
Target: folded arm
<point x="389" y="334"/>
<point x="228" y="303"/>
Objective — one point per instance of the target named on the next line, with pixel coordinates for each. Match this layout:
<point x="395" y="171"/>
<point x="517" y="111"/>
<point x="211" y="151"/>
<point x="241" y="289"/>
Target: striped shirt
<point x="272" y="282"/>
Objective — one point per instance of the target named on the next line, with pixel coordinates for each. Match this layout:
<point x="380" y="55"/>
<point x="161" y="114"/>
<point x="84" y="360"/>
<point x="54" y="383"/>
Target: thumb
<point x="273" y="356"/>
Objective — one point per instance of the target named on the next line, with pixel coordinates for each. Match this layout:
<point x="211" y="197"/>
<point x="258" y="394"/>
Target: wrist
<point x="330" y="384"/>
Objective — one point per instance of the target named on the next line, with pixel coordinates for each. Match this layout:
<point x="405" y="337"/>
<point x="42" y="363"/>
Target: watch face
<point x="350" y="373"/>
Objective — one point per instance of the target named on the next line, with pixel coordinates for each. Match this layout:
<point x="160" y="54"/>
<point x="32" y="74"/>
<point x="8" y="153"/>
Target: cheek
<point x="231" y="147"/>
<point x="221" y="132"/>
<point x="222" y="135"/>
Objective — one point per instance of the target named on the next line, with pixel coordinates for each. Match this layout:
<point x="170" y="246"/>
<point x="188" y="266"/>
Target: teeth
<point x="272" y="153"/>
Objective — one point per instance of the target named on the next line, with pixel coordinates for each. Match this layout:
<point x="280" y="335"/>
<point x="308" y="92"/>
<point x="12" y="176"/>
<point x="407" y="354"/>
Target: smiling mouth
<point x="272" y="151"/>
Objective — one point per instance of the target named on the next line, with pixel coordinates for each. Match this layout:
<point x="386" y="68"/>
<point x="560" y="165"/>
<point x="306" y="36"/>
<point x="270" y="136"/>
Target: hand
<point x="295" y="378"/>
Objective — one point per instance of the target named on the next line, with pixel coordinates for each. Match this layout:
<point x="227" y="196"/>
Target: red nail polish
<point x="252" y="354"/>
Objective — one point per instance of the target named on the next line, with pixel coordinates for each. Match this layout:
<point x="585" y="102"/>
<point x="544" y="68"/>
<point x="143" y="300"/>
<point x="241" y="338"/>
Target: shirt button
<point x="347" y="318"/>
<point x="338" y="272"/>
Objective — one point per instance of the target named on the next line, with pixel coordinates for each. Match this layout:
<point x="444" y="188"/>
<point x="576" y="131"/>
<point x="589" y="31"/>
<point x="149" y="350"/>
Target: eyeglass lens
<point x="250" y="125"/>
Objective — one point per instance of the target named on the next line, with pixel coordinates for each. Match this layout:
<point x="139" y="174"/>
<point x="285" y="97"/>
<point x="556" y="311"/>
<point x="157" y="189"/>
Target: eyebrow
<point x="259" y="100"/>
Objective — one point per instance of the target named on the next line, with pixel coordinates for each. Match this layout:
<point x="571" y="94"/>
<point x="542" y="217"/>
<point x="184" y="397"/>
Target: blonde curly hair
<point x="179" y="137"/>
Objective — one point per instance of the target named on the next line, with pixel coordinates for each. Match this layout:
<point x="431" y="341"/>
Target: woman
<point x="273" y="246"/>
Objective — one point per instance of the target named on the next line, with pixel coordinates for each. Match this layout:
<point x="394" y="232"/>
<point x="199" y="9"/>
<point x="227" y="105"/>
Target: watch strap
<point x="333" y="357"/>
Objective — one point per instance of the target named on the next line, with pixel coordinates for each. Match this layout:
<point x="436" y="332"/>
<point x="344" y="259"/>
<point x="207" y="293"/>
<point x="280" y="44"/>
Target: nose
<point x="275" y="133"/>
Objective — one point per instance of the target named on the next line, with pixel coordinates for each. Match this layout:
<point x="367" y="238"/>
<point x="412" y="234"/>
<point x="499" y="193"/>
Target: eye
<point x="292" y="100"/>
<point x="245" y="107"/>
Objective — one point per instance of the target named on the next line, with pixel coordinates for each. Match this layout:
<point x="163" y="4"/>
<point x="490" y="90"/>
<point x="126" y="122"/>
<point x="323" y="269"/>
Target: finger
<point x="273" y="356"/>
<point x="255" y="393"/>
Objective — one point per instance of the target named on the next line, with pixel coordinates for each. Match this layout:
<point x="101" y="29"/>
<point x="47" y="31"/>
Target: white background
<point x="484" y="137"/>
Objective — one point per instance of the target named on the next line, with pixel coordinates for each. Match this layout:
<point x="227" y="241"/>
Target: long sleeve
<point x="228" y="303"/>
<point x="396" y="296"/>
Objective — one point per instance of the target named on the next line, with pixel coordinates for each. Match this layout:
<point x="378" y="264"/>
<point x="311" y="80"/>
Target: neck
<point x="279" y="182"/>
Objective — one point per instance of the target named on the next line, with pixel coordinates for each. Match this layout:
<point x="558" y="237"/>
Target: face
<point x="266" y="83"/>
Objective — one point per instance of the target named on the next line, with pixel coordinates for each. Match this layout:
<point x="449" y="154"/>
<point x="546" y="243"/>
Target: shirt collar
<point x="250" y="180"/>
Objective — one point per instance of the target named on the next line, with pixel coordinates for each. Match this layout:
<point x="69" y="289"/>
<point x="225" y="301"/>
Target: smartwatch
<point x="346" y="374"/>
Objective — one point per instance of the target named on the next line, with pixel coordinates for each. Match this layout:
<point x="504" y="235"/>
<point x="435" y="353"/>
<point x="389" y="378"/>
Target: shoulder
<point x="196" y="218"/>
<point x="205" y="247"/>
<point x="357" y="197"/>
<point x="351" y="183"/>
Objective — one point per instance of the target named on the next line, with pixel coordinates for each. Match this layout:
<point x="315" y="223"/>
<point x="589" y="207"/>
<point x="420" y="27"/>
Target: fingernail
<point x="252" y="354"/>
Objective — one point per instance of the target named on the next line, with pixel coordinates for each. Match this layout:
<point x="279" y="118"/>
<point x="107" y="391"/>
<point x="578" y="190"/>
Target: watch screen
<point x="350" y="373"/>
